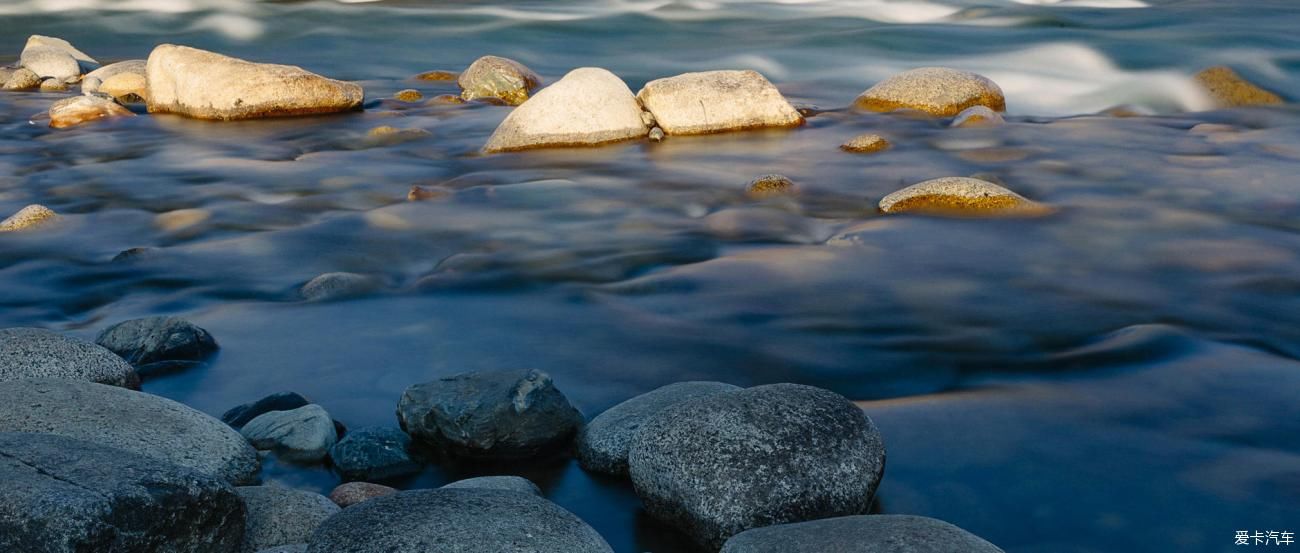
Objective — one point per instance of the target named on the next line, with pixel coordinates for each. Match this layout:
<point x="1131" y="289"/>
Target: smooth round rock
<point x="374" y="453"/>
<point x="63" y="495"/>
<point x="22" y="79"/>
<point x="508" y="414"/>
<point x="408" y="95"/>
<point x="770" y="185"/>
<point x="500" y="78"/>
<point x="348" y="494"/>
<point x="464" y="521"/>
<point x="281" y="516"/>
<point x="719" y="465"/>
<point x="977" y="116"/>
<point x="52" y="57"/>
<point x="1229" y="89"/>
<point x="603" y="444"/>
<point x="78" y="110"/>
<point x="505" y="483"/>
<point x="91" y="81"/>
<point x="126" y="87"/>
<point x="588" y="107"/>
<point x="938" y="91"/>
<point x="437" y="75"/>
<point x="238" y="416"/>
<point x="303" y="435"/>
<point x="861" y="534"/>
<point x="961" y="196"/>
<point x="333" y="286"/>
<point x="717" y="101"/>
<point x="132" y="421"/>
<point x="154" y="339"/>
<point x="32" y="216"/>
<point x="39" y="353"/>
<point x="866" y="144"/>
<point x="295" y="548"/>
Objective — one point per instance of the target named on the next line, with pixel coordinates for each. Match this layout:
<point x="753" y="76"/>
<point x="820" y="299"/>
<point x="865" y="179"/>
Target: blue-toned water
<point x="1121" y="376"/>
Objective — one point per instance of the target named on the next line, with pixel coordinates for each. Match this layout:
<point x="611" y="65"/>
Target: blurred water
<point x="1120" y="376"/>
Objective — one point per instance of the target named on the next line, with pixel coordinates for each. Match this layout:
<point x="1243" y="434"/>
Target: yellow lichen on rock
<point x="1228" y="89"/>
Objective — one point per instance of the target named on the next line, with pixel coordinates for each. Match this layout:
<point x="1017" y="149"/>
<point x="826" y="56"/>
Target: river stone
<point x="22" y="79"/>
<point x="348" y="494"/>
<point x="960" y="196"/>
<point x="767" y="186"/>
<point x="501" y="78"/>
<point x="39" y="353"/>
<point x="126" y="87"/>
<point x="866" y="144"/>
<point x="374" y="453"/>
<point x="1228" y="89"/>
<point x="55" y="58"/>
<point x="76" y="110"/>
<point x="133" y="421"/>
<point x="156" y="339"/>
<point x="339" y="285"/>
<point x="207" y="85"/>
<point x="5" y="73"/>
<point x="304" y="435"/>
<point x="91" y="82"/>
<point x="438" y="75"/>
<point x="62" y="495"/>
<point x="463" y="521"/>
<point x="281" y="516"/>
<point x="238" y="416"/>
<point x="32" y="216"/>
<point x="604" y="442"/>
<point x="506" y="483"/>
<point x="295" y="548"/>
<point x="721" y="464"/>
<point x="861" y="534"/>
<point x="977" y="116"/>
<point x="938" y="91"/>
<point x="717" y="101"/>
<point x="53" y="85"/>
<point x="589" y="106"/>
<point x="507" y="414"/>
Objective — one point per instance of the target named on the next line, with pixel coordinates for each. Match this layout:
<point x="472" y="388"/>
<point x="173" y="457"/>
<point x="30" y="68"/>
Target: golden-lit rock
<point x="977" y="116"/>
<point x="938" y="91"/>
<point x="1228" y="89"/>
<point x="91" y="81"/>
<point x="408" y="95"/>
<point x="73" y="111"/>
<point x="419" y="193"/>
<point x="438" y="75"/>
<point x="961" y="197"/>
<point x="29" y="217"/>
<point x="495" y="77"/>
<point x="126" y="87"/>
<point x="717" y="101"/>
<point x="53" y="85"/>
<point x="181" y="219"/>
<point x="866" y="144"/>
<point x="55" y="58"/>
<point x="22" y="79"/>
<point x="767" y="186"/>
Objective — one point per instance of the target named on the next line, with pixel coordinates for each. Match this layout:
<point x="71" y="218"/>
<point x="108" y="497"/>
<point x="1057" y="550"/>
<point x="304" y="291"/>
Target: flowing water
<point x="1121" y="376"/>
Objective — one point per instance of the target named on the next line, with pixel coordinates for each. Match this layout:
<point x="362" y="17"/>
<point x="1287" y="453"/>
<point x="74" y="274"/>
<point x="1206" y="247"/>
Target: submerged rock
<point x="490" y="414"/>
<point x="92" y="81"/>
<point x="438" y="75"/>
<point x="53" y="85"/>
<point x="154" y="339"/>
<point x="374" y="453"/>
<point x="501" y="78"/>
<point x="63" y="495"/>
<point x="281" y="516"/>
<point x="938" y="91"/>
<point x="490" y="520"/>
<point x="1228" y="89"/>
<point x="589" y="106"/>
<point x="604" y="442"/>
<point x="238" y="416"/>
<point x="54" y="58"/>
<point x="207" y="85"/>
<point x="22" y="79"/>
<point x="717" y="101"/>
<point x="76" y="110"/>
<point x="351" y="493"/>
<point x="333" y="286"/>
<point x="866" y="144"/>
<point x="977" y="116"/>
<point x="419" y="193"/>
<point x="303" y="435"/>
<point x="408" y="95"/>
<point x="132" y="421"/>
<point x="861" y="534"/>
<point x="770" y="185"/>
<point x="39" y="353"/>
<point x="961" y="196"/>
<point x="505" y="483"/>
<point x="386" y="135"/>
<point x="29" y="217"/>
<point x="718" y="465"/>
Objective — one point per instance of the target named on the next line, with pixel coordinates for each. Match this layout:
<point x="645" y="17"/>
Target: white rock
<point x="90" y="83"/>
<point x="51" y="57"/>
<point x="717" y="101"/>
<point x="589" y="106"/>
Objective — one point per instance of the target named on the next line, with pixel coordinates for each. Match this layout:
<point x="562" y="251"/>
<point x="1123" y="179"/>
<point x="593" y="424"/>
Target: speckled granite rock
<point x="961" y="196"/>
<point x="938" y="91"/>
<point x="374" y="453"/>
<point x="717" y="101"/>
<point x="39" y="353"/>
<point x="303" y="435"/>
<point x="32" y="216"/>
<point x="281" y="516"/>
<point x="500" y="78"/>
<point x="506" y="483"/>
<point x="1228" y="89"/>
<point x="154" y="339"/>
<point x="861" y="534"/>
<point x="603" y="444"/>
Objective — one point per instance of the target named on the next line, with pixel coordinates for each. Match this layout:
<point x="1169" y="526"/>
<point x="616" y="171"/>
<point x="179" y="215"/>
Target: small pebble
<point x="656" y="135"/>
<point x="408" y="95"/>
<point x="770" y="185"/>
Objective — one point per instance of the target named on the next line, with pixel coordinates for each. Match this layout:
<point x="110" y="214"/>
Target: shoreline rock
<point x="302" y="435"/>
<point x="39" y="353"/>
<point x="155" y="339"/>
<point x="78" y="110"/>
<point x="91" y="81"/>
<point x="279" y="516"/>
<point x="374" y="453"/>
<point x="604" y="443"/>
<point x="54" y="58"/>
<point x="717" y="101"/>
<point x="504" y="483"/>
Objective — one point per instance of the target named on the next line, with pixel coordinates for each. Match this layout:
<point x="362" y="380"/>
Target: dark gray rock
<point x="281" y="516"/>
<point x="39" y="353"/>
<point x="295" y="548"/>
<point x="463" y="521"/>
<point x="133" y="421"/>
<point x="303" y="435"/>
<point x="334" y="286"/>
<point x="281" y="401"/>
<point x="62" y="495"/>
<point x="374" y="453"/>
<point x="722" y="464"/>
<point x="860" y="534"/>
<point x="505" y="483"/>
<point x="490" y="414"/>
<point x="603" y="443"/>
<point x="155" y="339"/>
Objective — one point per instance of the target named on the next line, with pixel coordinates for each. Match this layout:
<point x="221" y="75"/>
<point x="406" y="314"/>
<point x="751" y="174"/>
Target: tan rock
<point x="92" y="80"/>
<point x="53" y="85"/>
<point x="351" y="493"/>
<point x="438" y="75"/>
<point x="977" y="116"/>
<point x="501" y="78"/>
<point x="717" y="101"/>
<point x="767" y="186"/>
<point x="1228" y="89"/>
<point x="22" y="79"/>
<point x="589" y="106"/>
<point x="938" y="91"/>
<point x="866" y="144"/>
<point x="181" y="219"/>
<point x="76" y="110"/>
<point x="961" y="196"/>
<point x="207" y="85"/>
<point x="444" y="100"/>
<point x="386" y="135"/>
<point x="51" y="57"/>
<point x="126" y="87"/>
<point x="408" y="95"/>
<point x="32" y="216"/>
<point x="5" y="73"/>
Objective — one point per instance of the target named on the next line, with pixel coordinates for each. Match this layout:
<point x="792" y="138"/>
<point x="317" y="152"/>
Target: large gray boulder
<point x="504" y="483"/>
<point x="860" y="534"/>
<point x="589" y="106"/>
<point x="281" y="516"/>
<point x="722" y="464"/>
<point x="132" y="421"/>
<point x="490" y="414"/>
<point x="374" y="453"/>
<point x="207" y="85"/>
<point x="717" y="101"/>
<point x="62" y="495"/>
<point x="155" y="339"/>
<point x="303" y="435"/>
<point x="39" y="353"/>
<point x="54" y="58"/>
<point x="460" y="521"/>
<point x="603" y="443"/>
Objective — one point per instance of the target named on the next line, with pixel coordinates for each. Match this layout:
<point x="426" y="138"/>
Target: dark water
<point x="1119" y="377"/>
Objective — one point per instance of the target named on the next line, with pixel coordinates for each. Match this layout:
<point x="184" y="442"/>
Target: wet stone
<point x="408" y="95"/>
<point x="500" y="78"/>
<point x="717" y="101"/>
<point x="155" y="339"/>
<point x="335" y="286"/>
<point x="437" y="75"/>
<point x="770" y="185"/>
<point x="977" y="116"/>
<point x="77" y="110"/>
<point x="352" y="493"/>
<point x="238" y="416"/>
<point x="374" y="453"/>
<point x="1228" y="89"/>
<point x="603" y="444"/>
<point x="588" y="107"/>
<point x="91" y="81"/>
<point x="29" y="217"/>
<point x="22" y="79"/>
<point x="938" y="91"/>
<point x="961" y="196"/>
<point x="866" y="144"/>
<point x="279" y="516"/>
<point x="302" y="435"/>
